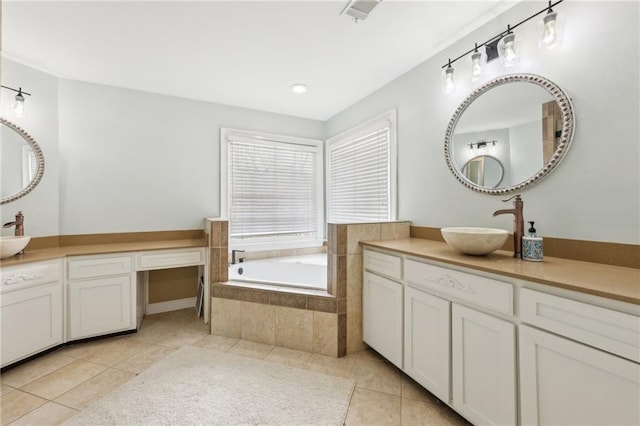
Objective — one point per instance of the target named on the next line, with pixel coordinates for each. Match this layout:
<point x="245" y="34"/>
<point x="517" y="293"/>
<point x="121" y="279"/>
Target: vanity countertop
<point x="88" y="249"/>
<point x="612" y="282"/>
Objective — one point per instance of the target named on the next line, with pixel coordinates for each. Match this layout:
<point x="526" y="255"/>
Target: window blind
<point x="272" y="189"/>
<point x="359" y="173"/>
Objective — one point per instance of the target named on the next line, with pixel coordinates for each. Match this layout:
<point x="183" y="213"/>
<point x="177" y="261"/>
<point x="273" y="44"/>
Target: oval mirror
<point x="21" y="160"/>
<point x="517" y="126"/>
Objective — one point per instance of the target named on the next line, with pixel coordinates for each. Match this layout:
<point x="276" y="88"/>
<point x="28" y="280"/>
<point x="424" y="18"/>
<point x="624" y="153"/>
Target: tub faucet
<point x="235" y="258"/>
<point x="18" y="223"/>
<point x="518" y="223"/>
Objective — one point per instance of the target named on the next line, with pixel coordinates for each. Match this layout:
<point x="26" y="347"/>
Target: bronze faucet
<point x="518" y="223"/>
<point x="18" y="223"/>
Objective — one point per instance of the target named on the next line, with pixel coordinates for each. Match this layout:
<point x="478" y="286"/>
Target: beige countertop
<point x="612" y="282"/>
<point x="87" y="249"/>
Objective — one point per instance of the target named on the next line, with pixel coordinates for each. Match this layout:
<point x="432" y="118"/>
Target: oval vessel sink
<point x="475" y="241"/>
<point x="10" y="246"/>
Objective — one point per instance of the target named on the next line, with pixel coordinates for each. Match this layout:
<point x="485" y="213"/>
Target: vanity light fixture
<point x="508" y="49"/>
<point x="18" y="102"/>
<point x="481" y="144"/>
<point x="505" y="44"/>
<point x="299" y="88"/>
<point x="551" y="31"/>
<point x="448" y="82"/>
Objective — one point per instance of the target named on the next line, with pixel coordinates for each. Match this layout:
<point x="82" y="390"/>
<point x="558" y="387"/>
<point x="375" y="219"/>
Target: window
<point x="274" y="188"/>
<point x="361" y="172"/>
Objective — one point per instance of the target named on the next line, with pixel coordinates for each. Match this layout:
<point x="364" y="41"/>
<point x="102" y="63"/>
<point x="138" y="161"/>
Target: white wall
<point x="526" y="156"/>
<point x="40" y="207"/>
<point x="595" y="193"/>
<point x="135" y="161"/>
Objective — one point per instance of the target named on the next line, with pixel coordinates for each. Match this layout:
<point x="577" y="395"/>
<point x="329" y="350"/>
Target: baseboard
<point x="171" y="305"/>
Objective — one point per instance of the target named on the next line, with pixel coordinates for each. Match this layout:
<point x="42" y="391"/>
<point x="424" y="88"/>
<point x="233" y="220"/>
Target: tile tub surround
<point x="218" y="231"/>
<point x="330" y="323"/>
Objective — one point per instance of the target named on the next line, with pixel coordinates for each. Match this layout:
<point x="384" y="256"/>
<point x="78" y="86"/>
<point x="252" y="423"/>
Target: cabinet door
<point x="382" y="316"/>
<point x="427" y="328"/>
<point x="564" y="382"/>
<point x="483" y="366"/>
<point x="31" y="321"/>
<point x="100" y="306"/>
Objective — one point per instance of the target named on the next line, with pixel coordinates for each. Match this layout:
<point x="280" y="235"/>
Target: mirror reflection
<point x="21" y="162"/>
<point x="516" y="126"/>
<point x="484" y="170"/>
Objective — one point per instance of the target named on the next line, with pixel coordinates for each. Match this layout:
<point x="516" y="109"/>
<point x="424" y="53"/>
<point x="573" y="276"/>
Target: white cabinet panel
<point x="382" y="316"/>
<point x="100" y="306"/>
<point x="382" y="263"/>
<point x="427" y="328"/>
<point x="79" y="267"/>
<point x="483" y="367"/>
<point x="481" y="291"/>
<point x="31" y="321"/>
<point x="613" y="331"/>
<point x="163" y="259"/>
<point x="566" y="383"/>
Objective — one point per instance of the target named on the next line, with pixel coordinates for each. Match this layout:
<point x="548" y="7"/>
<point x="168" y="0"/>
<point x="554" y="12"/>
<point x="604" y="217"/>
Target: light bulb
<point x="476" y="66"/>
<point x="18" y="105"/>
<point x="551" y="30"/>
<point x="508" y="50"/>
<point x="448" y="83"/>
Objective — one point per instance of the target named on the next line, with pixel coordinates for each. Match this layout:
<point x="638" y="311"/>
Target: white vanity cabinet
<point x="585" y="373"/>
<point x="31" y="309"/>
<point x="102" y="295"/>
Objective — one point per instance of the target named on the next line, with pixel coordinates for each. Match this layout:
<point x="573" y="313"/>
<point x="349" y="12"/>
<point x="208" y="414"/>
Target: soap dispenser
<point x="532" y="245"/>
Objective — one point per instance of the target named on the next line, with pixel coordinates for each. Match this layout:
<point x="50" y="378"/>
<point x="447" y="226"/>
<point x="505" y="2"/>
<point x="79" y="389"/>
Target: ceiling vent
<point x="359" y="10"/>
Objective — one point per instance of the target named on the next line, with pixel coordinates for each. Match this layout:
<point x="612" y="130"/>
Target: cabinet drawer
<point x="162" y="259"/>
<point x="29" y="275"/>
<point x="98" y="266"/>
<point x="481" y="291"/>
<point x="383" y="263"/>
<point x="607" y="329"/>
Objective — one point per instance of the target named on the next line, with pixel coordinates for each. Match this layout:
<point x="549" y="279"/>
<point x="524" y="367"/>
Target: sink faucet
<point x="518" y="223"/>
<point x="234" y="256"/>
<point x="18" y="223"/>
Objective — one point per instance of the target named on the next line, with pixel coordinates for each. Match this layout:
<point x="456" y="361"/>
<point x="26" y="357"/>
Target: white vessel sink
<point x="10" y="246"/>
<point x="475" y="241"/>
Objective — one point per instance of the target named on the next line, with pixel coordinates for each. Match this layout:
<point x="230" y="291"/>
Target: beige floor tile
<point x="144" y="359"/>
<point x="417" y="412"/>
<point x="49" y="414"/>
<point x="109" y="351"/>
<point x="96" y="387"/>
<point x="34" y="369"/>
<point x="413" y="390"/>
<point x="62" y="380"/>
<point x="377" y="376"/>
<point x="218" y="343"/>
<point x="290" y="357"/>
<point x="373" y="408"/>
<point x="251" y="349"/>
<point x="173" y="336"/>
<point x="16" y="404"/>
<point x="5" y="389"/>
<point x="339" y="367"/>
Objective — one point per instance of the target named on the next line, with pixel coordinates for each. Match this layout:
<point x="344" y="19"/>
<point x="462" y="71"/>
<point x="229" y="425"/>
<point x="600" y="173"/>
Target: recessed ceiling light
<point x="299" y="88"/>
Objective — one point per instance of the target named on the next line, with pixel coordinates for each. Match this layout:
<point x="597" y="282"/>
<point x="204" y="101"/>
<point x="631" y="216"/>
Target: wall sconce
<point x="18" y="103"/>
<point x="448" y="82"/>
<point x="505" y="45"/>
<point x="481" y="144"/>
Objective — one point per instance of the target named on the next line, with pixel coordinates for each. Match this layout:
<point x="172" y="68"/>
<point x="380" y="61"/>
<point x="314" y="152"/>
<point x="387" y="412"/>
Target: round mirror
<point x="21" y="160"/>
<point x="509" y="133"/>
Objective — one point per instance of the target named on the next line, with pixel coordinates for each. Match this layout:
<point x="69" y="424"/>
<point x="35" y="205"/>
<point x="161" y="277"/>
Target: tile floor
<point x="52" y="388"/>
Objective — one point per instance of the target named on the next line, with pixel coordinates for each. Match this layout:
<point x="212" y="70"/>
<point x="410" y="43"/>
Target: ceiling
<point x="238" y="53"/>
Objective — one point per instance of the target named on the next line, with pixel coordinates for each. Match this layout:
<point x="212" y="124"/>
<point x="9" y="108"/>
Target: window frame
<point x="359" y="130"/>
<point x="271" y="243"/>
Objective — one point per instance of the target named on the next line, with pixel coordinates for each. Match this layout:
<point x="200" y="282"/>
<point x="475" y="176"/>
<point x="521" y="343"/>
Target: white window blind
<point x="360" y="175"/>
<point x="273" y="189"/>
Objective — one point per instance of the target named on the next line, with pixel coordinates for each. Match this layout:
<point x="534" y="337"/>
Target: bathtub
<point x="307" y="271"/>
